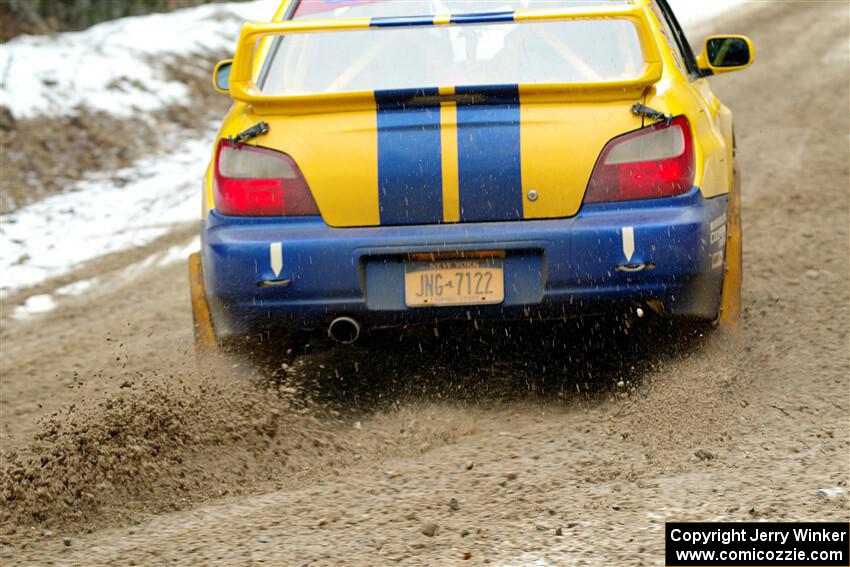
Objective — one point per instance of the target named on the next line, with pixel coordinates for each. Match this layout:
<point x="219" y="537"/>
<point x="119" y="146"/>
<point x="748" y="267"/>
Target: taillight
<point x="652" y="162"/>
<point x="252" y="181"/>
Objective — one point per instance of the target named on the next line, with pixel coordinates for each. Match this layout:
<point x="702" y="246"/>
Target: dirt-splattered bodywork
<point x="505" y="179"/>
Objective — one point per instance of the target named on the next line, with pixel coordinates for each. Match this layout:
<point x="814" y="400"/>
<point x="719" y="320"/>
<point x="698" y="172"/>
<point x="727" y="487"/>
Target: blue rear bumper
<point x="553" y="268"/>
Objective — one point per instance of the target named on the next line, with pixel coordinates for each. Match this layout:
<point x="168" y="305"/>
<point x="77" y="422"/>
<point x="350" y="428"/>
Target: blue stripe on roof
<point x="401" y="22"/>
<point x="410" y="163"/>
<point x="411" y="21"/>
<point x="483" y="17"/>
<point x="488" y="143"/>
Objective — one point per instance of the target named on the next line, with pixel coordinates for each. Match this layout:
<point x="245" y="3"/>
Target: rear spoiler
<point x="253" y="47"/>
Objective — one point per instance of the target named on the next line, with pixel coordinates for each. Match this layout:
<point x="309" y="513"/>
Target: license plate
<point x="454" y="282"/>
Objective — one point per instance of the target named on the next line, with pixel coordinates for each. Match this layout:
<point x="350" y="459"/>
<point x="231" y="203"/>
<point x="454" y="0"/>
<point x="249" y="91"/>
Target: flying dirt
<point x="522" y="444"/>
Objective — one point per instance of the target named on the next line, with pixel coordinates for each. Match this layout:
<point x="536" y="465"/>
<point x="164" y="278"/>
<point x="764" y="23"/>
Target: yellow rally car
<point x="388" y="163"/>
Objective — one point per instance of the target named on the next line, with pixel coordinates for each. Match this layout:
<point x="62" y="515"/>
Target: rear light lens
<point x="652" y="162"/>
<point x="253" y="182"/>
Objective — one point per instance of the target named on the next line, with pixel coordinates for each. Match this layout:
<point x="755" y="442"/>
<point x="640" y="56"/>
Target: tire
<point x="729" y="318"/>
<point x="206" y="341"/>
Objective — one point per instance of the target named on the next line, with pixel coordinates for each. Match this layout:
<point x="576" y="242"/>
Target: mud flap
<point x="205" y="339"/>
<point x="729" y="320"/>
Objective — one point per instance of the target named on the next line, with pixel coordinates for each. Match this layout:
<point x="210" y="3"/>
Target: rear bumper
<point x="553" y="268"/>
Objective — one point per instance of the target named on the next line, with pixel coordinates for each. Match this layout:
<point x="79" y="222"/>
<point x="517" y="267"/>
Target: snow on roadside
<point x="179" y="253"/>
<point x="76" y="288"/>
<point x="104" y="214"/>
<point x="34" y="305"/>
<point x="124" y="276"/>
<point x="111" y="67"/>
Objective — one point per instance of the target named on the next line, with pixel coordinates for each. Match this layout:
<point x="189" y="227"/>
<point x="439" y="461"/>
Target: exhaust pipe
<point x="344" y="330"/>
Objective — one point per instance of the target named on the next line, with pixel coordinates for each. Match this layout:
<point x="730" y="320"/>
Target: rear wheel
<point x="205" y="339"/>
<point x="729" y="319"/>
<point x="263" y="348"/>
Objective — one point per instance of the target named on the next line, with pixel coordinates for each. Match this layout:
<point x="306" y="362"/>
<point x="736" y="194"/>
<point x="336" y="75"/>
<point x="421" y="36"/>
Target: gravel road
<point x="522" y="445"/>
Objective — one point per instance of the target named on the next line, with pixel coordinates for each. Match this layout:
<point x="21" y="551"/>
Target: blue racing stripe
<point x="410" y="179"/>
<point x="488" y="148"/>
<point x="482" y="18"/>
<point x="400" y="22"/>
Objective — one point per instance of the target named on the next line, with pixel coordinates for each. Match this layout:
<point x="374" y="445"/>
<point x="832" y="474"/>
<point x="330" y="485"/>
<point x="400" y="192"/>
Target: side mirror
<point x="724" y="53"/>
<point x="221" y="76"/>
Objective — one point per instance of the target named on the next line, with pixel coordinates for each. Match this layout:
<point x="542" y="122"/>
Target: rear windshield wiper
<point x="642" y="110"/>
<point x="257" y="129"/>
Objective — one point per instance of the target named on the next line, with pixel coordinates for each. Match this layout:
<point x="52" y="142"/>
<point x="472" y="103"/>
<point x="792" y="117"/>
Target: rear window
<point x="314" y="9"/>
<point x="578" y="51"/>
